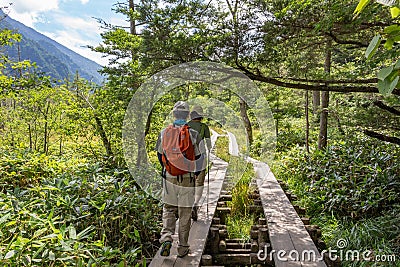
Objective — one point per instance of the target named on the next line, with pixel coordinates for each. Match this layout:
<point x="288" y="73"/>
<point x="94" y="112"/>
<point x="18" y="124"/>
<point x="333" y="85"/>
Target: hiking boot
<point x="166" y="248"/>
<point x="194" y="214"/>
<point x="183" y="251"/>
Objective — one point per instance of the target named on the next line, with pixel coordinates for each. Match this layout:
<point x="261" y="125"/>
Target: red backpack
<point x="178" y="151"/>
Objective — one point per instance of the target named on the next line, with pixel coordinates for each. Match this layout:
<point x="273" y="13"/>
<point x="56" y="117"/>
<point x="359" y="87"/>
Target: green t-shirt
<point x="203" y="130"/>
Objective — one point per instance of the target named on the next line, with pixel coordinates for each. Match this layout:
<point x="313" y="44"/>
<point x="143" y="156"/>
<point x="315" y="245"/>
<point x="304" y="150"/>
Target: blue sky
<point x="69" y="22"/>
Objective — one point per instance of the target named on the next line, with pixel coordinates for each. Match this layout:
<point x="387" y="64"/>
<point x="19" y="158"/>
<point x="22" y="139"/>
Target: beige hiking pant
<point x="178" y="198"/>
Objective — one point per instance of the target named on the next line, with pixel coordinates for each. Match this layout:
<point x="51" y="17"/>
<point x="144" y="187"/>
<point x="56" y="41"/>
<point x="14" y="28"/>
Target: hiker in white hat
<point x="177" y="149"/>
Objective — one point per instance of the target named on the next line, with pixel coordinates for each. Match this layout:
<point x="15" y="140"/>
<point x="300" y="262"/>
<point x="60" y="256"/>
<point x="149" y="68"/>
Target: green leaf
<point x="397" y="65"/>
<point x="65" y="246"/>
<point x="393" y="84"/>
<point x="52" y="256"/>
<point x="373" y="45"/>
<point x="72" y="232"/>
<point x="389" y="44"/>
<point x="137" y="235"/>
<point x="9" y="254"/>
<point x="5" y="218"/>
<point x="361" y="5"/>
<point x="55" y="231"/>
<point x="85" y="233"/>
<point x="383" y="86"/>
<point x="386" y="86"/>
<point x="50" y="215"/>
<point x="386" y="2"/>
<point x="384" y="73"/>
<point x="11" y="223"/>
<point x="392" y="28"/>
<point x="395" y="11"/>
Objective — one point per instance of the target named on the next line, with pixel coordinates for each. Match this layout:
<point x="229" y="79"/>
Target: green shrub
<point x="88" y="215"/>
<point x="352" y="191"/>
<point x="380" y="236"/>
<point x="353" y="178"/>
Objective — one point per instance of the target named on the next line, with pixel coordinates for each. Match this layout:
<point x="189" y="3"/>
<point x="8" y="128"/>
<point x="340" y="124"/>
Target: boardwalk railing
<point x="290" y="242"/>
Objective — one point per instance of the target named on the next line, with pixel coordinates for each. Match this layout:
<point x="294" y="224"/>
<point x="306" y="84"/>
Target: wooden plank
<point x="303" y="243"/>
<point x="199" y="230"/>
<point x="288" y="235"/>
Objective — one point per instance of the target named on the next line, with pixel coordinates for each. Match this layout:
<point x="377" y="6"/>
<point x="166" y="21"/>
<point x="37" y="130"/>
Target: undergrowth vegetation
<point x="72" y="212"/>
<point x="351" y="190"/>
<point x="342" y="180"/>
<point x="239" y="174"/>
<point x="240" y="221"/>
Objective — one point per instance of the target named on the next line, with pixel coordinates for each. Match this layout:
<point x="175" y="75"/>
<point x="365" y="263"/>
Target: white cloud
<point x="84" y="2"/>
<point x="83" y="24"/>
<point x="28" y="11"/>
<point x="75" y="41"/>
<point x="28" y="6"/>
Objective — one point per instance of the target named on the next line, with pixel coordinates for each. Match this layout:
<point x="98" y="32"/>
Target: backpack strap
<point x="164" y="184"/>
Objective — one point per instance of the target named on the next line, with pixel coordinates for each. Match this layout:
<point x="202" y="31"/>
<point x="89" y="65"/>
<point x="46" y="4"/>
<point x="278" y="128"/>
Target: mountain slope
<point x="51" y="57"/>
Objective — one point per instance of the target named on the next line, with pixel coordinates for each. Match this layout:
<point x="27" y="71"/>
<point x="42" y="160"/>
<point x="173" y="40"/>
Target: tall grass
<point x="221" y="148"/>
<point x="240" y="222"/>
<point x="379" y="236"/>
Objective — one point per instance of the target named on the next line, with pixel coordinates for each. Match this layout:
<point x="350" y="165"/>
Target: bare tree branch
<point x="382" y="105"/>
<point x="352" y="42"/>
<point x="360" y="81"/>
<point x="312" y="87"/>
<point x="382" y="137"/>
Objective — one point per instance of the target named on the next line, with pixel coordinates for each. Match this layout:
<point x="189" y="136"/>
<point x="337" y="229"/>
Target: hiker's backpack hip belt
<point x="180" y="178"/>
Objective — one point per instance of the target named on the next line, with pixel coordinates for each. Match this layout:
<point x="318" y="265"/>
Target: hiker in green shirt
<point x="196" y="117"/>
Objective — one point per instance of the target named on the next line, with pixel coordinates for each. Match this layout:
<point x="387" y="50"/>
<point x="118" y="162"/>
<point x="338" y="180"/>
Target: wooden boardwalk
<point x="199" y="231"/>
<point x="291" y="244"/>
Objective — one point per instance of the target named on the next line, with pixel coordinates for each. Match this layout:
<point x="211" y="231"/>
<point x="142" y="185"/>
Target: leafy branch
<point x="388" y="77"/>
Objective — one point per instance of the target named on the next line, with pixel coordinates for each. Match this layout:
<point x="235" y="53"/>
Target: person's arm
<point x="195" y="138"/>
<point x="207" y="136"/>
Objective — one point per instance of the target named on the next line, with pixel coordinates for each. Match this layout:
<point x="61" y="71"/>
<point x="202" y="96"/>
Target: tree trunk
<point x="323" y="127"/>
<point x="316" y="101"/>
<point x="30" y="137"/>
<point x="45" y="139"/>
<point x="382" y="137"/>
<point x="277" y="114"/>
<point x="132" y="21"/>
<point x="104" y="139"/>
<point x="246" y="120"/>
<point x="35" y="146"/>
<point x="142" y="153"/>
<point x="148" y="123"/>
<point x="61" y="137"/>
<point x="307" y="123"/>
<point x="61" y="140"/>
